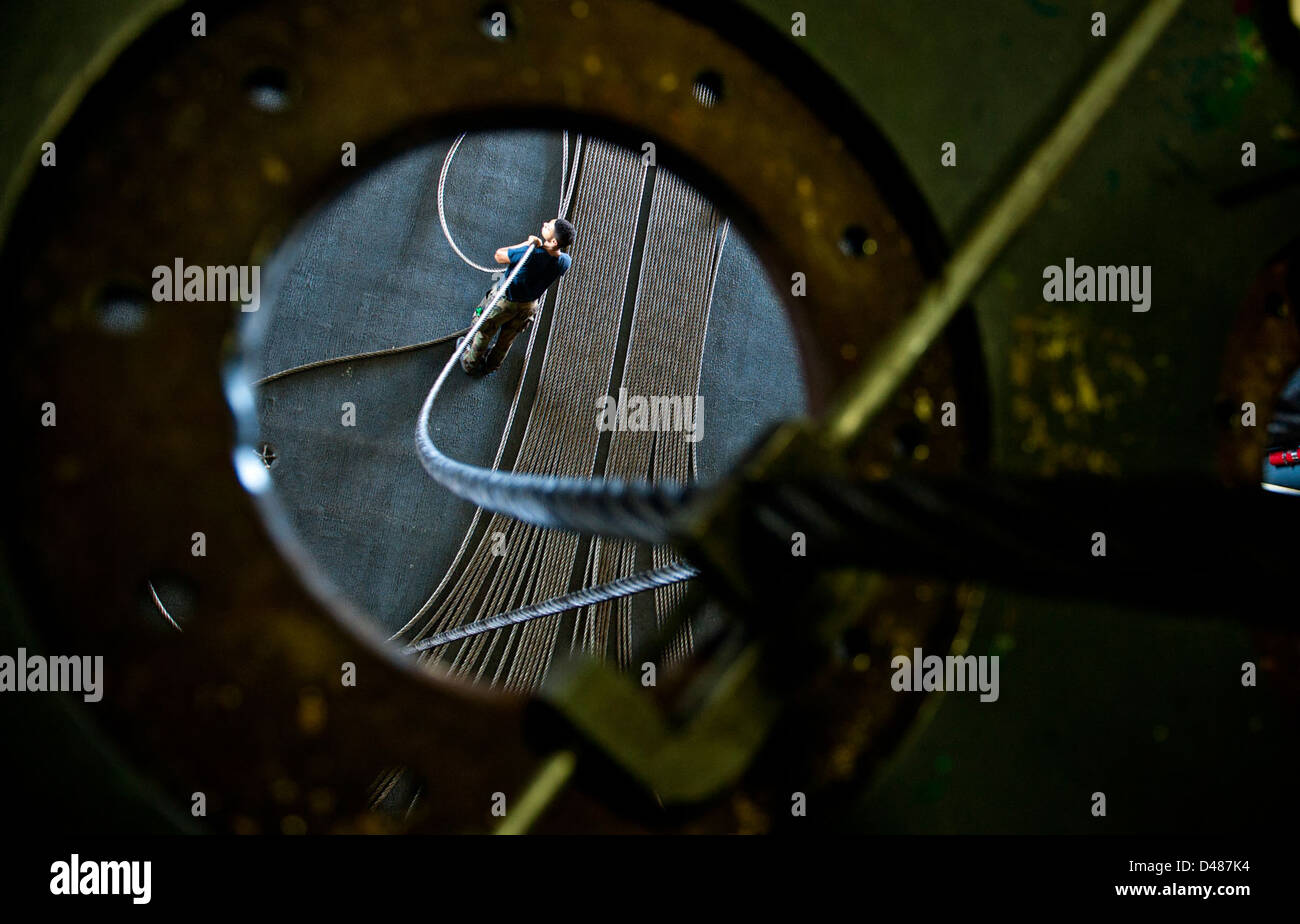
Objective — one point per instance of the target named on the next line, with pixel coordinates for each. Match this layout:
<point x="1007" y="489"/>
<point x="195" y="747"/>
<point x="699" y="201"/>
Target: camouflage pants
<point x="505" y="321"/>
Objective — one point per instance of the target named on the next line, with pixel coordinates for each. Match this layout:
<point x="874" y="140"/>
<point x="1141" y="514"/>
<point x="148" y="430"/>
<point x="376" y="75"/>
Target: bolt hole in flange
<point x="857" y="242"/>
<point x="267" y="89"/>
<point x="121" y="310"/>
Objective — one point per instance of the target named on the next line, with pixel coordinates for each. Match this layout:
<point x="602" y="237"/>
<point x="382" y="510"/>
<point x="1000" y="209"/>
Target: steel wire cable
<point x="442" y="214"/>
<point x="636" y="583"/>
<point x="371" y="354"/>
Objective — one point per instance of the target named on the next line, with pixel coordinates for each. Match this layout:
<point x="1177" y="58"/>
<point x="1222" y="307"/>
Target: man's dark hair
<point x="564" y="232"/>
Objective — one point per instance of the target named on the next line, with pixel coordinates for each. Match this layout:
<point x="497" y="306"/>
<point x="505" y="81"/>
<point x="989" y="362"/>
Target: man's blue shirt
<point x="537" y="274"/>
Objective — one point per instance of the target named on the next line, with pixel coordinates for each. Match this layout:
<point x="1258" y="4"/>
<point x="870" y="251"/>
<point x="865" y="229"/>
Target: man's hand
<point x="501" y="257"/>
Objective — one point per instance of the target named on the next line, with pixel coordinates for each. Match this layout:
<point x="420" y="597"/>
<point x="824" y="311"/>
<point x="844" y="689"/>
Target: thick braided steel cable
<point x="620" y="509"/>
<point x="442" y="214"/>
<point x="636" y="583"/>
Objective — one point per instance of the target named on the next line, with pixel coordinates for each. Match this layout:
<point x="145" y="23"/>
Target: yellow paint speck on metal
<point x="275" y="170"/>
<point x="284" y="790"/>
<point x="924" y="406"/>
<point x="1086" y="391"/>
<point x="311" y="712"/>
